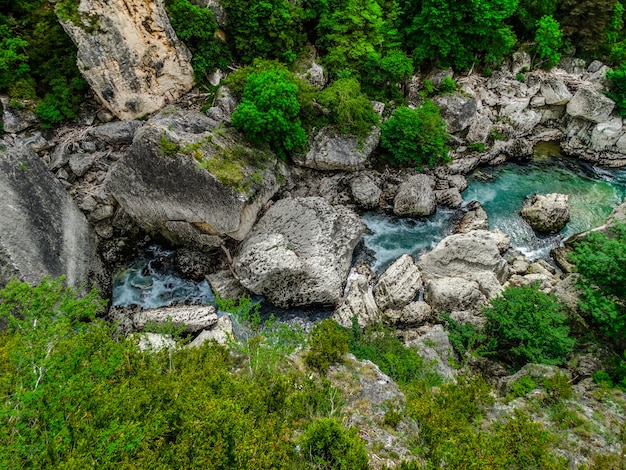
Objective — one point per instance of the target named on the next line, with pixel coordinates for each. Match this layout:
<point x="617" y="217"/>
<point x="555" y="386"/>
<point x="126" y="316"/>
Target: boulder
<point x="42" y="231"/>
<point x="398" y="285"/>
<point x="474" y="219"/>
<point x="116" y="133"/>
<point x="555" y="92"/>
<point x="549" y="213"/>
<point x="190" y="185"/>
<point x="461" y="255"/>
<point x="435" y="348"/>
<point x="590" y="105"/>
<point x="130" y="55"/>
<point x="224" y="284"/>
<point x="359" y="301"/>
<point x="450" y="197"/>
<point x="415" y="197"/>
<point x="414" y="314"/>
<point x="365" y="192"/>
<point x="299" y="253"/>
<point x="221" y="332"/>
<point x="458" y="110"/>
<point x="449" y="294"/>
<point x="607" y="133"/>
<point x="479" y="129"/>
<point x="189" y="318"/>
<point x="17" y="115"/>
<point x="330" y="150"/>
<point x="224" y="107"/>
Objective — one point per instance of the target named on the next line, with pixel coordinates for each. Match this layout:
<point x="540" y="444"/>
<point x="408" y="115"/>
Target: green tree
<point x="528" y="14"/>
<point x="351" y="111"/>
<point x="549" y="41"/>
<point x="617" y="88"/>
<point x="526" y="325"/>
<point x="265" y="29"/>
<point x="415" y="136"/>
<point x="196" y="27"/>
<point x="461" y="33"/>
<point x="330" y="446"/>
<point x="268" y="112"/>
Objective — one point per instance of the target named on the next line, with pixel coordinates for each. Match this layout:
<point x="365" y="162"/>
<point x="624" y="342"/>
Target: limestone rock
<point x="130" y="55"/>
<point x="461" y="254"/>
<point x="224" y="284"/>
<point x="224" y="107"/>
<point x="450" y="197"/>
<point x="458" y="110"/>
<point x="448" y="294"/>
<point x="330" y="150"/>
<point x="415" y="197"/>
<point x="399" y="284"/>
<point x="567" y="292"/>
<point x="155" y="342"/>
<point x="359" y="302"/>
<point x="590" y="105"/>
<point x="607" y="133"/>
<point x="80" y="163"/>
<point x="414" y="314"/>
<point x="479" y="128"/>
<point x="365" y="192"/>
<point x="555" y="92"/>
<point x="167" y="192"/>
<point x="116" y="133"/>
<point x="221" y="332"/>
<point x="17" y="118"/>
<point x="191" y="318"/>
<point x="299" y="253"/>
<point x="474" y="219"/>
<point x="435" y="348"/>
<point x="549" y="213"/>
<point x="42" y="231"/>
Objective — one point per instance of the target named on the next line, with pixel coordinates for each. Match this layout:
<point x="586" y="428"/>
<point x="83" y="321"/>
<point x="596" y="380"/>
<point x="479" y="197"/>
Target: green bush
<point x="327" y="344"/>
<point x="523" y="386"/>
<point x="549" y="41"/>
<point x="268" y="112"/>
<point x="415" y="136"/>
<point x="526" y="325"/>
<point x="329" y="446"/>
<point x="447" y="85"/>
<point x="351" y="111"/>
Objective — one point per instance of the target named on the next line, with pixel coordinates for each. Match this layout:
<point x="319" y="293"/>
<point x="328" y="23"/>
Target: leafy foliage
<point x="351" y="111"/>
<point x="268" y="29"/>
<point x="585" y="22"/>
<point x="327" y="344"/>
<point x="415" y="136"/>
<point x="617" y="88"/>
<point x="196" y="27"/>
<point x="329" y="445"/>
<point x="526" y="325"/>
<point x="268" y="112"/>
<point x="549" y="39"/>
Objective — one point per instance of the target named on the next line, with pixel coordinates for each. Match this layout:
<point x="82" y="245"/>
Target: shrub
<point x="329" y="446"/>
<point x="526" y="325"/>
<point x="351" y="111"/>
<point x="415" y="136"/>
<point x="327" y="344"/>
<point x="549" y="41"/>
<point x="523" y="386"/>
<point x="268" y="112"/>
<point x="447" y="85"/>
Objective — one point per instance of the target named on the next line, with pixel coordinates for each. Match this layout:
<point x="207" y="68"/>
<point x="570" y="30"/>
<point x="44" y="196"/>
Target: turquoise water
<point x="593" y="193"/>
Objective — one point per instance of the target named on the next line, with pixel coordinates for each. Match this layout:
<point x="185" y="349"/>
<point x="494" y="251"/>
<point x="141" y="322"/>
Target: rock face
<point x="130" y="55"/>
<point x="161" y="184"/>
<point x="399" y="284"/>
<point x="457" y="110"/>
<point x="42" y="232"/>
<point x="549" y="213"/>
<point x="299" y="253"/>
<point x="416" y="197"/>
<point x="359" y="301"/>
<point x="333" y="151"/>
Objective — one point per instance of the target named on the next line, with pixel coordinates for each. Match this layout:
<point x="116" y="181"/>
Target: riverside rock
<point x="299" y="253"/>
<point x="42" y="231"/>
<point x="398" y="285"/>
<point x="130" y="55"/>
<point x="163" y="186"/>
<point x="549" y="213"/>
<point x="359" y="301"/>
<point x="458" y="110"/>
<point x="189" y="318"/>
<point x="415" y="197"/>
<point x="590" y="105"/>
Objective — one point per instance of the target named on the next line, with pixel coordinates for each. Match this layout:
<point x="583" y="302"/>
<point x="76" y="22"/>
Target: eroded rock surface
<point x="549" y="213"/>
<point x="416" y="197"/>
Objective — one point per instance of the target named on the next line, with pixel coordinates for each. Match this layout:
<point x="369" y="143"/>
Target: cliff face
<point x="130" y="55"/>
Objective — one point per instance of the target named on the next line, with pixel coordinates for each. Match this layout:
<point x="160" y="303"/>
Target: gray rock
<point x="458" y="110"/>
<point x="17" y="115"/>
<point x="461" y="254"/>
<point x="60" y="156"/>
<point x="365" y="192"/>
<point x="193" y="264"/>
<point x="521" y="62"/>
<point x="435" y="348"/>
<point x="36" y="141"/>
<point x="555" y="92"/>
<point x="171" y="195"/>
<point x="299" y="253"/>
<point x="330" y="150"/>
<point x="42" y="232"/>
<point x="225" y="105"/>
<point x="224" y="284"/>
<point x="191" y="318"/>
<point x="132" y="60"/>
<point x="412" y="315"/>
<point x="415" y="197"/>
<point x="474" y="219"/>
<point x="116" y="133"/>
<point x="398" y="285"/>
<point x="315" y="75"/>
<point x="567" y="292"/>
<point x="221" y="332"/>
<point x="448" y="294"/>
<point x="479" y="129"/>
<point x="457" y="181"/>
<point x="549" y="213"/>
<point x="607" y="133"/>
<point x="359" y="301"/>
<point x="80" y="163"/>
<point x="590" y="105"/>
<point x="450" y="197"/>
<point x="155" y="342"/>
